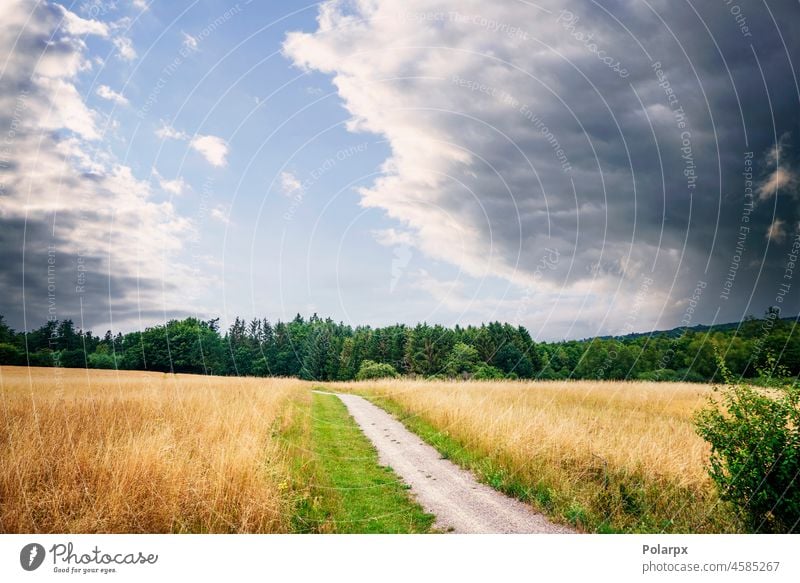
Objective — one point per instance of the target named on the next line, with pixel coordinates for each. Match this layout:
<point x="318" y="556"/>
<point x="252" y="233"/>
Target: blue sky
<point x="237" y="85"/>
<point x="381" y="162"/>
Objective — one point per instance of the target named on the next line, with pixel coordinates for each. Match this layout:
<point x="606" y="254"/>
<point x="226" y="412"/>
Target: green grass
<point x="342" y="489"/>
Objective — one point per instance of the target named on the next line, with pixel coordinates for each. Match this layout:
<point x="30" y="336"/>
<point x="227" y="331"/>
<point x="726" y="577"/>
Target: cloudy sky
<point x="579" y="168"/>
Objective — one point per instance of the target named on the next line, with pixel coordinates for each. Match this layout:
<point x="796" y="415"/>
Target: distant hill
<point x="677" y="332"/>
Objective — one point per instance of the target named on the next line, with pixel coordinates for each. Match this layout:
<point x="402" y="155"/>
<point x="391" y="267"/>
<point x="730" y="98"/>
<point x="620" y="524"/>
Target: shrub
<point x="462" y="360"/>
<point x="72" y="358"/>
<point x="755" y="452"/>
<point x="100" y="360"/>
<point x="10" y="354"/>
<point x="488" y="373"/>
<point x="375" y="370"/>
<point x="44" y="357"/>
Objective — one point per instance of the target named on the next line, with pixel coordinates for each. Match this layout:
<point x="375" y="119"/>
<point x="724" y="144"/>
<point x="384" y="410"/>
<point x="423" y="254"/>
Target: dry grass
<point x="619" y="456"/>
<point x="108" y="451"/>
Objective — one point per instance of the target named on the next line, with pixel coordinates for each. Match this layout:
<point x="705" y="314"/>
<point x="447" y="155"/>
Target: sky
<point x="579" y="168"/>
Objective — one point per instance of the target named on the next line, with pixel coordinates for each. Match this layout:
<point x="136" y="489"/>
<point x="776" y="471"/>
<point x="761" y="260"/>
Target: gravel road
<point x="460" y="503"/>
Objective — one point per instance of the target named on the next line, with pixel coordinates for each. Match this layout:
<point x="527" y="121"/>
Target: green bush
<point x="755" y="452"/>
<point x="488" y="373"/>
<point x="375" y="370"/>
<point x="462" y="360"/>
<point x="72" y="358"/>
<point x="100" y="360"/>
<point x="44" y="357"/>
<point x="10" y="354"/>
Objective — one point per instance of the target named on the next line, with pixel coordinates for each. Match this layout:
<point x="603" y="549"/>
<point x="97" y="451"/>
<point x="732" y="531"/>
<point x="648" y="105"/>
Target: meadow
<point x="602" y="456"/>
<point x="88" y="451"/>
<point x="130" y="452"/>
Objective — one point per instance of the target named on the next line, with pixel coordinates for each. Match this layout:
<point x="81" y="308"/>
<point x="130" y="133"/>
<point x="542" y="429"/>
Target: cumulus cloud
<point x="125" y="50"/>
<point x="220" y="214"/>
<point x="81" y="233"/>
<point x="75" y="25"/>
<point x="290" y="184"/>
<point x="511" y="134"/>
<point x="167" y="132"/>
<point x="67" y="109"/>
<point x="106" y="92"/>
<point x="175" y="186"/>
<point x="213" y="148"/>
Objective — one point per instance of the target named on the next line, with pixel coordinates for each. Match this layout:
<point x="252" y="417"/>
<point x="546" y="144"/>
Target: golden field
<point x="108" y="451"/>
<point x="605" y="456"/>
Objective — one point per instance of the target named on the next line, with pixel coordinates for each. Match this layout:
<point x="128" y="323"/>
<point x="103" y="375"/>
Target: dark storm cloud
<point x="655" y="124"/>
<point x="42" y="278"/>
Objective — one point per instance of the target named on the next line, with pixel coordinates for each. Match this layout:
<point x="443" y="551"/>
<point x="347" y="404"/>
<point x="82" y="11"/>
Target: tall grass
<point x="106" y="451"/>
<point x="605" y="456"/>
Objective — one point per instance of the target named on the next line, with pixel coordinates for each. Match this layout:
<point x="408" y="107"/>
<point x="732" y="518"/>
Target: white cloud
<point x="167" y="132"/>
<point x="431" y="151"/>
<point x="125" y="50"/>
<point x="777" y="231"/>
<point x="175" y="186"/>
<point x="220" y="214"/>
<point x="106" y="92"/>
<point x="290" y="184"/>
<point x="141" y="4"/>
<point x="392" y="237"/>
<point x="783" y="177"/>
<point x="189" y="41"/>
<point x="66" y="109"/>
<point x="779" y="179"/>
<point x="214" y="149"/>
<point x="77" y="26"/>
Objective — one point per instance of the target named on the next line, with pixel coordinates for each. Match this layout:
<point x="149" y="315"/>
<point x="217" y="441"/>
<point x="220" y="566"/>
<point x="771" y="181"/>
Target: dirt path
<point x="460" y="503"/>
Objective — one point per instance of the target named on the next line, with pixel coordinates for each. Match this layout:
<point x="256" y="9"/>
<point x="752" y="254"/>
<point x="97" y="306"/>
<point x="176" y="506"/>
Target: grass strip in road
<point x="348" y="491"/>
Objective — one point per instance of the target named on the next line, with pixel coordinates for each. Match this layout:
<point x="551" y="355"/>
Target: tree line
<point x="321" y="349"/>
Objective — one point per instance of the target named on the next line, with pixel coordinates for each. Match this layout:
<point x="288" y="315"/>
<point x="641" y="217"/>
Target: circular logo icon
<point x="31" y="556"/>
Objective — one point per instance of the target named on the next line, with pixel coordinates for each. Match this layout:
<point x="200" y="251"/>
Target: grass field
<point x="108" y="451"/>
<point x="603" y="456"/>
<point x="138" y="452"/>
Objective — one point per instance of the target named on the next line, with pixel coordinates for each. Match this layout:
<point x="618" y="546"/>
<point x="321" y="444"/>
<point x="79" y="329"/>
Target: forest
<point x="321" y="349"/>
